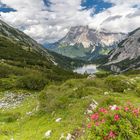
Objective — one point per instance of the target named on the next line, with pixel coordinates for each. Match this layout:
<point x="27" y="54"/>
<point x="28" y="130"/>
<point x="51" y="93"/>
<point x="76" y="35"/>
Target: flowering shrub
<point x="114" y="123"/>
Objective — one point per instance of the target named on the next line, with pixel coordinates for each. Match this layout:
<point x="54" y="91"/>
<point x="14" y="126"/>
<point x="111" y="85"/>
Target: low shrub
<point x="102" y="74"/>
<point x="4" y="71"/>
<point x="50" y="102"/>
<point x="106" y="101"/>
<point x="114" y="123"/>
<point x="32" y="82"/>
<point x="9" y="117"/>
<point x="119" y="83"/>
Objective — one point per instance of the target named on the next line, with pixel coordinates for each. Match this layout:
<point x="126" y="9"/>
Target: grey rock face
<point x="86" y="41"/>
<point x="87" y="37"/>
<point x="127" y="55"/>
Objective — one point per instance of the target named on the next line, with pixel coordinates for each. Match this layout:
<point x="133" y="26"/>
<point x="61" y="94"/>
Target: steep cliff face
<point x="81" y="41"/>
<point x="127" y="55"/>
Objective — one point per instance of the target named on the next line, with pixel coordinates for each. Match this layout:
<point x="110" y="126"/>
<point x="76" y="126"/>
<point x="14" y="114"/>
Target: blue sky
<point x="5" y="9"/>
<point x="50" y="20"/>
<point x="99" y="5"/>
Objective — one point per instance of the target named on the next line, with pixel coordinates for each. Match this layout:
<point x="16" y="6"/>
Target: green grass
<point x="67" y="101"/>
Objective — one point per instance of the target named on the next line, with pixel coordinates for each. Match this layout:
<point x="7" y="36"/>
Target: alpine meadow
<point x="70" y="70"/>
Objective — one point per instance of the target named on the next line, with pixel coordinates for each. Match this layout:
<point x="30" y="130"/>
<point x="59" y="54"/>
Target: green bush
<point x="7" y="83"/>
<point x="32" y="82"/>
<point x="52" y="99"/>
<point x="9" y="117"/>
<point x="4" y="71"/>
<point x="106" y="101"/>
<point x="119" y="83"/>
<point x="102" y="74"/>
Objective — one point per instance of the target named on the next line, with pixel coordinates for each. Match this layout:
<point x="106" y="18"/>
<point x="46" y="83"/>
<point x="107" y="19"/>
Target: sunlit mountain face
<point x="85" y="43"/>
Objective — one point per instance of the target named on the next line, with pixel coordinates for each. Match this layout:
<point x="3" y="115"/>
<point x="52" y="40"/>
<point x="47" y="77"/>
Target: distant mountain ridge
<point x="127" y="55"/>
<point x="83" y="42"/>
<point x="22" y="41"/>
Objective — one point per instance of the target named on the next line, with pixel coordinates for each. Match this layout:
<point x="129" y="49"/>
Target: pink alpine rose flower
<point x="126" y="109"/>
<point x="103" y="110"/>
<point x="97" y="123"/>
<point x="95" y="116"/>
<point x="103" y="120"/>
<point x="112" y="135"/>
<point x="136" y="111"/>
<point x="116" y="117"/>
<point x="89" y="125"/>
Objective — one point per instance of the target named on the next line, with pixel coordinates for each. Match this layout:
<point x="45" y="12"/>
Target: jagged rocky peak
<point x="78" y="34"/>
<point x="90" y="37"/>
<point x="83" y="41"/>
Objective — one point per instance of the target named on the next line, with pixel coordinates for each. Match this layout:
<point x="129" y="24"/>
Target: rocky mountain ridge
<point x="81" y="41"/>
<point x="127" y="55"/>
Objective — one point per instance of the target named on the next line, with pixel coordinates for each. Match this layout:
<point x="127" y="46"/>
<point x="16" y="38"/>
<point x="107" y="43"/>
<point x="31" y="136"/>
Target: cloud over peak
<point x="48" y="21"/>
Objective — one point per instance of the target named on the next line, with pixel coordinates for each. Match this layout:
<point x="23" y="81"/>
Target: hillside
<point x="127" y="55"/>
<point x="21" y="57"/>
<point x="19" y="37"/>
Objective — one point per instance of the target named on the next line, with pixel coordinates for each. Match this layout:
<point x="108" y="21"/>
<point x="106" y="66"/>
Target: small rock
<point x="89" y="111"/>
<point x="95" y="102"/>
<point x="48" y="134"/>
<point x="62" y="137"/>
<point x="28" y="113"/>
<point x="93" y="106"/>
<point x="69" y="136"/>
<point x="58" y="120"/>
<point x="106" y="93"/>
<point x="91" y="76"/>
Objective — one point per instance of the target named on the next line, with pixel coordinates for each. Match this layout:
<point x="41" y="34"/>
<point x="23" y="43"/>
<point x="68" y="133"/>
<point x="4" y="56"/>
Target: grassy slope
<point x="69" y="102"/>
<point x="17" y="62"/>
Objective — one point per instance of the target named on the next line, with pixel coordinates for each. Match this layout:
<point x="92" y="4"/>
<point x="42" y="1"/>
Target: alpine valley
<point x="43" y="98"/>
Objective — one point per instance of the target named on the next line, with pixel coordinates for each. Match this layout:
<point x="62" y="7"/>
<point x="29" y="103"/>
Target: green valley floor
<point x="60" y="111"/>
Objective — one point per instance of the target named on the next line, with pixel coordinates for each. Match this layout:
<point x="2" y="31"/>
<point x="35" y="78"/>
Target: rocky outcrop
<point x="127" y="55"/>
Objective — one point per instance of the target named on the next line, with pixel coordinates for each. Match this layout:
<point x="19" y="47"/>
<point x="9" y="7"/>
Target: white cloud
<point x="52" y="23"/>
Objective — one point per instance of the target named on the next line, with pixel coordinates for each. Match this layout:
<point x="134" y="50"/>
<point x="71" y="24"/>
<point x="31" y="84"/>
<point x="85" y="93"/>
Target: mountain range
<point x="10" y="35"/>
<point x="85" y="43"/>
<point x="81" y="43"/>
<point x="41" y="97"/>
